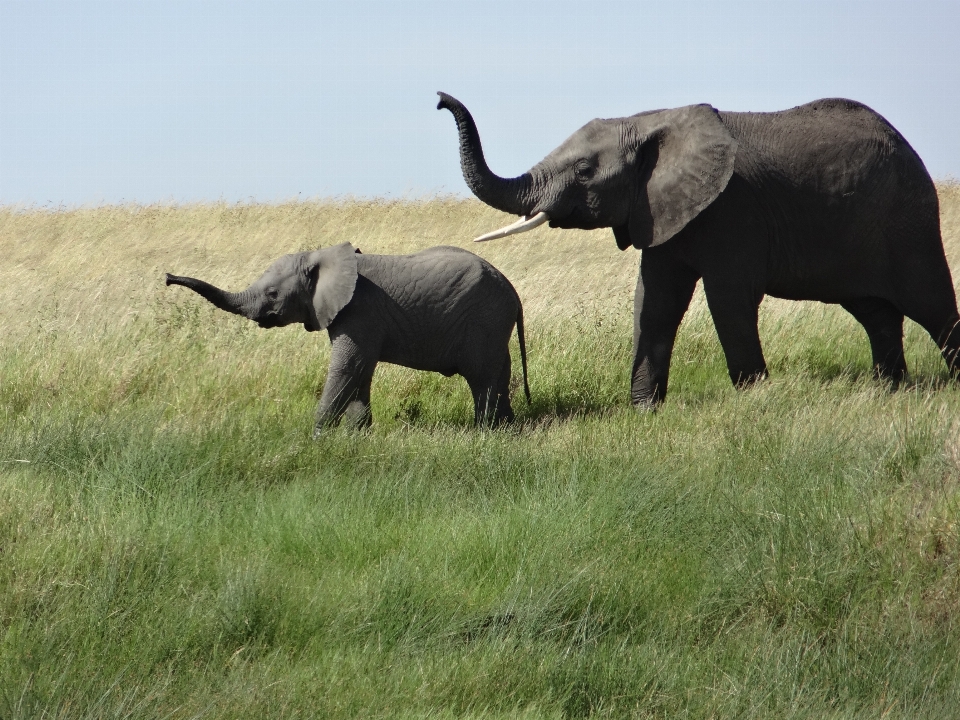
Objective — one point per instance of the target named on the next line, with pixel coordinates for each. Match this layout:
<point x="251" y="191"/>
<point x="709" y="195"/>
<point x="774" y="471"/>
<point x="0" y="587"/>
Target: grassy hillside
<point x="173" y="543"/>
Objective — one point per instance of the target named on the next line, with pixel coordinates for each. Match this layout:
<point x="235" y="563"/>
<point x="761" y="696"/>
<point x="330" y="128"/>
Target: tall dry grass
<point x="106" y="264"/>
<point x="102" y="267"/>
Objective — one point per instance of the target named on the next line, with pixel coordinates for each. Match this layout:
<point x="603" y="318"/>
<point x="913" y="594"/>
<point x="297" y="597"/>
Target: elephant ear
<point x="685" y="160"/>
<point x="334" y="271"/>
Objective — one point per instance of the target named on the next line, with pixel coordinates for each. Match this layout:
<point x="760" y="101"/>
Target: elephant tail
<point x="523" y="352"/>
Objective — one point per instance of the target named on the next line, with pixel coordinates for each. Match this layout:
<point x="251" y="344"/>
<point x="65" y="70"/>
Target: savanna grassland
<point x="174" y="545"/>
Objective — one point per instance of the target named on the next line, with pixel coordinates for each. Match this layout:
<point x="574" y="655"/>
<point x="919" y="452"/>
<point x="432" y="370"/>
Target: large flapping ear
<point x="335" y="272"/>
<point x="685" y="160"/>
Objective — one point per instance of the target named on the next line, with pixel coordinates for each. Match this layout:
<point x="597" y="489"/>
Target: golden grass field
<point x="84" y="269"/>
<point x="87" y="277"/>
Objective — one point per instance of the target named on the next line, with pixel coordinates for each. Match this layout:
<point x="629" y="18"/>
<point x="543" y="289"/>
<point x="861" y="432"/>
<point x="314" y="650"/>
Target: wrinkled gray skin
<point x="442" y="309"/>
<point x="826" y="202"/>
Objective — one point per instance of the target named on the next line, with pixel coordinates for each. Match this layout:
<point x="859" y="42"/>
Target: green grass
<point x="173" y="543"/>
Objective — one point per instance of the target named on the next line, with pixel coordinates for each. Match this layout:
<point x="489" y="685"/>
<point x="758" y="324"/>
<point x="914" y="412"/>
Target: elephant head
<point x="646" y="176"/>
<point x="308" y="287"/>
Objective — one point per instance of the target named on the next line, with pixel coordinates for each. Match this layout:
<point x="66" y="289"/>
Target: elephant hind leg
<point x="948" y="340"/>
<point x="926" y="295"/>
<point x="491" y="395"/>
<point x="884" y="325"/>
<point x="943" y="324"/>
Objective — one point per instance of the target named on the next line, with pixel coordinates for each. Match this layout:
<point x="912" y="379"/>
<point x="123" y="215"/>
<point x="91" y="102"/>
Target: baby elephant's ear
<point x="335" y="271"/>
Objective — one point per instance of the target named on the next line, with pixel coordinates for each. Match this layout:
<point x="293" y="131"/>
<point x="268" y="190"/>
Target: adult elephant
<point x="826" y="202"/>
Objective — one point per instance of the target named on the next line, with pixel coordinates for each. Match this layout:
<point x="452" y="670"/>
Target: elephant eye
<point x="271" y="293"/>
<point x="584" y="170"/>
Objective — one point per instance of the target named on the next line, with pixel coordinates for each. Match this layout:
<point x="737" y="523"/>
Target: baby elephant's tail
<point x="523" y="352"/>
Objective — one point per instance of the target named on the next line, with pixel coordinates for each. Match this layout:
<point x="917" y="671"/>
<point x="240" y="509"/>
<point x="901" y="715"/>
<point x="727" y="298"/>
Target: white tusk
<point x="522" y="225"/>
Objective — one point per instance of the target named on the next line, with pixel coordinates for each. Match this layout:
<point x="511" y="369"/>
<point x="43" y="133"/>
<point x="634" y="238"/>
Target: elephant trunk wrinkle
<point x="231" y="302"/>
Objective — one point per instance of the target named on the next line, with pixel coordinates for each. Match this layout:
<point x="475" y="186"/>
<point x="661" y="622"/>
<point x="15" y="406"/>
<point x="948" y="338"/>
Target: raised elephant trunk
<point x="236" y="303"/>
<point x="510" y="195"/>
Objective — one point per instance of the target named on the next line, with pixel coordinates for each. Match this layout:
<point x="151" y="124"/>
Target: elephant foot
<point x="646" y="405"/>
<point x="745" y="379"/>
<point x="357" y="416"/>
<point x="647" y="397"/>
<point x="892" y="381"/>
<point x="648" y="386"/>
<point x="493" y="421"/>
<point x="494" y="412"/>
<point x="890" y="373"/>
<point x="952" y="357"/>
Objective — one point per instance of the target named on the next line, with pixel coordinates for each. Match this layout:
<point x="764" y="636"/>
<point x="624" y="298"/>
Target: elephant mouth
<point x="270" y="319"/>
<point x="578" y="218"/>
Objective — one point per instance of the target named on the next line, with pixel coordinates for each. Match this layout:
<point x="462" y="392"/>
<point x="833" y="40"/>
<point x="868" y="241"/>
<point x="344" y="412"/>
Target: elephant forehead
<point x="592" y="139"/>
<point x="282" y="267"/>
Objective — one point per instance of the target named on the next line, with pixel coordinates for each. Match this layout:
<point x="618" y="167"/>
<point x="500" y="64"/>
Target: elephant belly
<point x="830" y="263"/>
<point x="424" y="355"/>
<point x="828" y="284"/>
<point x="788" y="249"/>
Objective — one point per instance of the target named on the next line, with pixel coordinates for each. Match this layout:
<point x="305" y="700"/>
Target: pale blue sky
<point x="181" y="101"/>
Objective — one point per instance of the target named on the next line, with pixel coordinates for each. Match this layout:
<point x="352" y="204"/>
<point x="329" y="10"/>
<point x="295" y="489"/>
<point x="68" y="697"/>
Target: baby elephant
<point x="442" y="309"/>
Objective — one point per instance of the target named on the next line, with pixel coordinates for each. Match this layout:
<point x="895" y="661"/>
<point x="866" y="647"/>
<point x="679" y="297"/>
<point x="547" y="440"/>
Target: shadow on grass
<point x="548" y="411"/>
<point x="928" y="382"/>
<point x="688" y="392"/>
<point x="828" y="373"/>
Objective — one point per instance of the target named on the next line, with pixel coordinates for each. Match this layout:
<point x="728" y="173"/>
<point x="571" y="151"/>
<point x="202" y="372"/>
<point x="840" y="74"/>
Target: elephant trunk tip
<point x="445" y="101"/>
<point x="170" y="280"/>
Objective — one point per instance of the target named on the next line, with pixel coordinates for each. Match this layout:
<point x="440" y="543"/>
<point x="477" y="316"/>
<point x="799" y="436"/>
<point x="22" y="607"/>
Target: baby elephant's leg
<point x="346" y="393"/>
<point x="491" y="395"/>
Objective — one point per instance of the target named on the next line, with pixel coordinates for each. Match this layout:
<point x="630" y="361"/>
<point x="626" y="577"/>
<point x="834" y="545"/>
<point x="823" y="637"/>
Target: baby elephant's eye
<point x="271" y="293"/>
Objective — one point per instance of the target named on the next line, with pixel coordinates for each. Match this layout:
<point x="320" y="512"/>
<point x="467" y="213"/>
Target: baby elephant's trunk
<point x="231" y="302"/>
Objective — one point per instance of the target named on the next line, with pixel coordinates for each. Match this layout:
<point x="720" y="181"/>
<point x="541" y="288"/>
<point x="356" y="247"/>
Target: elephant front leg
<point x="346" y="393"/>
<point x="664" y="290"/>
